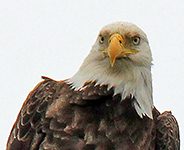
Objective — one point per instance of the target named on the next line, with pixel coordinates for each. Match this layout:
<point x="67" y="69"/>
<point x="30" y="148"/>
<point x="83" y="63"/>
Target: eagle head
<point x="120" y="58"/>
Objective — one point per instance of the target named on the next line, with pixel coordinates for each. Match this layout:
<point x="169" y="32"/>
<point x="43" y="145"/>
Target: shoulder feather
<point x="167" y="132"/>
<point x="31" y="116"/>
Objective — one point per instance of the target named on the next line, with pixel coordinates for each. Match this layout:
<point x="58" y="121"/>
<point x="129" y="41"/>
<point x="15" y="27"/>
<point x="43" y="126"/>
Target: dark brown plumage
<point x="55" y="117"/>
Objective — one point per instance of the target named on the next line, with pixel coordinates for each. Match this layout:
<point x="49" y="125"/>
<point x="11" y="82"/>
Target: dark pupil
<point x="135" y="40"/>
<point x="102" y="38"/>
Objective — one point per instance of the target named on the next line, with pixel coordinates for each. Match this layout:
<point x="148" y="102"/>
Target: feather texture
<point x="51" y="119"/>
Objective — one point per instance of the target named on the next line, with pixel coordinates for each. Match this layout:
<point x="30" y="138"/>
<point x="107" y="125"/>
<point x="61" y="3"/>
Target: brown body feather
<point x="55" y="117"/>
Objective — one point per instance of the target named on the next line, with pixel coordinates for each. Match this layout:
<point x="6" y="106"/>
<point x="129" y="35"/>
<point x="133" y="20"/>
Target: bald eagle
<point x="106" y="105"/>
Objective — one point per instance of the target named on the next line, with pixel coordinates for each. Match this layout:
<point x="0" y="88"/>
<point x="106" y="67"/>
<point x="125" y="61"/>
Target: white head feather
<point x="127" y="76"/>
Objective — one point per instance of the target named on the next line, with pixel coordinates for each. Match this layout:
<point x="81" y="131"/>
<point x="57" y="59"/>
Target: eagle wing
<point x="27" y="131"/>
<point x="167" y="132"/>
<point x="50" y="119"/>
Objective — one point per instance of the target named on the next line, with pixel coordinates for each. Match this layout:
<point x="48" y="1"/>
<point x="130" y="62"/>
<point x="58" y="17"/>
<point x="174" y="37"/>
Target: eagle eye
<point x="101" y="39"/>
<point x="136" y="40"/>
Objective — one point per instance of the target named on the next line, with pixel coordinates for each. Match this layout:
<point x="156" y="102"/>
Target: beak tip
<point x="112" y="62"/>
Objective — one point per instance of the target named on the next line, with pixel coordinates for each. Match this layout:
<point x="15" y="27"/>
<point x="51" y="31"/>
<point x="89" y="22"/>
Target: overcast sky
<point x="52" y="37"/>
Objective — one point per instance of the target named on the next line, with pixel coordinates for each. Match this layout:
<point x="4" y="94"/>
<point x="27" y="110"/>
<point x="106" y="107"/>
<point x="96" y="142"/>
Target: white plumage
<point x="128" y="76"/>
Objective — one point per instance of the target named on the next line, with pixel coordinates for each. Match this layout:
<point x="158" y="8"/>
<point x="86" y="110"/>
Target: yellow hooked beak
<point x="116" y="48"/>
